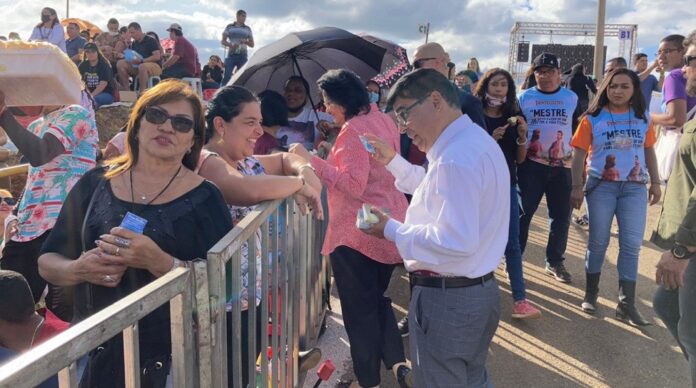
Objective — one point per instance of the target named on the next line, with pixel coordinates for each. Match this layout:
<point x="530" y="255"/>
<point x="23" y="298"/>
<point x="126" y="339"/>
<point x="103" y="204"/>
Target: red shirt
<point x="266" y="144"/>
<point x="186" y="53"/>
<point x="52" y="326"/>
<point x="352" y="177"/>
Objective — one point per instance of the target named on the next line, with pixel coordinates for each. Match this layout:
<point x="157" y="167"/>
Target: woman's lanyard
<point x="41" y="31"/>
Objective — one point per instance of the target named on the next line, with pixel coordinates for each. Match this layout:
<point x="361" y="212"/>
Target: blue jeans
<point x="103" y="99"/>
<point x="231" y="62"/>
<point x="536" y="180"/>
<point x="677" y="309"/>
<point x="513" y="253"/>
<point x="629" y="202"/>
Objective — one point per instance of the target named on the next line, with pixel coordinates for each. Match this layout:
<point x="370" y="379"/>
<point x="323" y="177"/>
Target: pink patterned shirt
<point x="352" y="177"/>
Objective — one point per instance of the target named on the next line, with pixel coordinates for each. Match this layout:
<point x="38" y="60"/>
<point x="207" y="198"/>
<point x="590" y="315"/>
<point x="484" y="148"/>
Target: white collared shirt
<point x="457" y="223"/>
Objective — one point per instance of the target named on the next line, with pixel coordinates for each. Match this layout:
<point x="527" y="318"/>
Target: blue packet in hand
<point x="133" y="223"/>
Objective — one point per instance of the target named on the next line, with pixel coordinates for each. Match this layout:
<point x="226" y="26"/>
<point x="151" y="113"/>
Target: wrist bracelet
<point x="517" y="141"/>
<point x="302" y="167"/>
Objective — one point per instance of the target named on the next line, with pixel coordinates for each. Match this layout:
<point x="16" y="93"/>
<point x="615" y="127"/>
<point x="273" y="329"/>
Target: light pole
<point x="599" y="41"/>
<point x="67" y="9"/>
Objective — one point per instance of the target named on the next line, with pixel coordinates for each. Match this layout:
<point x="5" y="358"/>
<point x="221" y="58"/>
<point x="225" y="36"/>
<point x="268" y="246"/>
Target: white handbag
<point x="666" y="147"/>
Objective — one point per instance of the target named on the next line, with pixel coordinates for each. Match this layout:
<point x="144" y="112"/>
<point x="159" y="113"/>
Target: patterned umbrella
<point x="83" y="24"/>
<point x="395" y="63"/>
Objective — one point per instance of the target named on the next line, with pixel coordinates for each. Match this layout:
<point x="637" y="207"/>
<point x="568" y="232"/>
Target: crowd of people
<point x="453" y="165"/>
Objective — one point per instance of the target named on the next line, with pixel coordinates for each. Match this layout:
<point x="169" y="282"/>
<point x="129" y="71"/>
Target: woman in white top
<point x="49" y="30"/>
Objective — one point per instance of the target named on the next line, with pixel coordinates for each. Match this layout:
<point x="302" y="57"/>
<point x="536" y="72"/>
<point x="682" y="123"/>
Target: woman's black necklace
<point x="130" y="175"/>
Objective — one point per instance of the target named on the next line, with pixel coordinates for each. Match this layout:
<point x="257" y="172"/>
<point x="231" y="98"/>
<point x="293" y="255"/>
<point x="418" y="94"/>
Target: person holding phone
<point x="142" y="215"/>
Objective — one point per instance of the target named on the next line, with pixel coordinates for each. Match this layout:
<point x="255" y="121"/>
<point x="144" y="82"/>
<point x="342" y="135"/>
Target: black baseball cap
<point x="90" y="47"/>
<point x="545" y="60"/>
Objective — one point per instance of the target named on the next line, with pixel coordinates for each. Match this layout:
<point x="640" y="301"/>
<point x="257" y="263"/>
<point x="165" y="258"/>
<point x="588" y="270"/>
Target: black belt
<point x="447" y="282"/>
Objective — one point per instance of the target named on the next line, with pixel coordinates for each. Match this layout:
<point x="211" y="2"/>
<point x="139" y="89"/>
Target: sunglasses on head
<point x="158" y="116"/>
<point x="8" y="200"/>
<point x="417" y="64"/>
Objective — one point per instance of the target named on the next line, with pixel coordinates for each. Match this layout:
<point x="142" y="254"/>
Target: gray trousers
<point x="677" y="308"/>
<point x="450" y="331"/>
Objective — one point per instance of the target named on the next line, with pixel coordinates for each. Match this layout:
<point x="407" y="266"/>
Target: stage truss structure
<point x="628" y="34"/>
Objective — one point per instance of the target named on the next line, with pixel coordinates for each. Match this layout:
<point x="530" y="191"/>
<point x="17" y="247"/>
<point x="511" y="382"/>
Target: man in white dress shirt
<point x="454" y="234"/>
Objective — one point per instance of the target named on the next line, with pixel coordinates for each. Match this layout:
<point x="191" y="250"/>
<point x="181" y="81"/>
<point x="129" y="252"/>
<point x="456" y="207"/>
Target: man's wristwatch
<point x="681" y="252"/>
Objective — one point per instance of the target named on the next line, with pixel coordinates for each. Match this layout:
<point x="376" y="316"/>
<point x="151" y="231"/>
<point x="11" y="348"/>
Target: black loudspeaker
<point x="523" y="52"/>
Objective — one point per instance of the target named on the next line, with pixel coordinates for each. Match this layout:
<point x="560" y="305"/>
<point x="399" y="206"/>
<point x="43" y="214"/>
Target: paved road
<point x="565" y="348"/>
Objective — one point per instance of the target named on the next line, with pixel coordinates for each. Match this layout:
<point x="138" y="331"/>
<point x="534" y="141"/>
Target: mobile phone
<point x="366" y="143"/>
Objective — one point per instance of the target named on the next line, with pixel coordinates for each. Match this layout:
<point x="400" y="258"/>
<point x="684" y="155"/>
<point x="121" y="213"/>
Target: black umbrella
<point x="309" y="54"/>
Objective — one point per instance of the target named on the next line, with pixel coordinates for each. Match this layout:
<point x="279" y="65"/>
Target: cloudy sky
<point x="466" y="28"/>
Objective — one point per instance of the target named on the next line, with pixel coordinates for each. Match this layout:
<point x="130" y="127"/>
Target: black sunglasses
<point x="688" y="59"/>
<point x="417" y="64"/>
<point x="9" y="200"/>
<point x="158" y="116"/>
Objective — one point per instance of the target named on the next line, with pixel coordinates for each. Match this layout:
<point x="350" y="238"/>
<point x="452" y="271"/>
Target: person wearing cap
<point x="548" y="109"/>
<point x="97" y="75"/>
<point x="182" y="62"/>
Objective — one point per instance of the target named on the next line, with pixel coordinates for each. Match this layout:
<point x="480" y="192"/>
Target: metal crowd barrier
<point x="293" y="276"/>
<point x="60" y="353"/>
<point x="294" y="280"/>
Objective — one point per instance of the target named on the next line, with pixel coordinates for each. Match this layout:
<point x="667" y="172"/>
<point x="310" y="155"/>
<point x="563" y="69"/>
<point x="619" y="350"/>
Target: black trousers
<point x="367" y="313"/>
<point x="23" y="257"/>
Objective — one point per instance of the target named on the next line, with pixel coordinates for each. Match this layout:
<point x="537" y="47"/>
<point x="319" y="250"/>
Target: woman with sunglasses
<point x="49" y="30"/>
<point x="508" y="127"/>
<point x="142" y="215"/>
<point x="362" y="265"/>
<point x="617" y="137"/>
<point x="60" y="146"/>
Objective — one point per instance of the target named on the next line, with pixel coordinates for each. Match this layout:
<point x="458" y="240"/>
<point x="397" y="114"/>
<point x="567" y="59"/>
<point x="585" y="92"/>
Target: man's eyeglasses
<point x="158" y="116"/>
<point x="418" y="63"/>
<point x="402" y="115"/>
<point x="666" y="51"/>
<point x="688" y="59"/>
<point x="8" y="200"/>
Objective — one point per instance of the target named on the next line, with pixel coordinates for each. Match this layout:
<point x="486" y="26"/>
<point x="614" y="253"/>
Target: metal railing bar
<point x="40" y="363"/>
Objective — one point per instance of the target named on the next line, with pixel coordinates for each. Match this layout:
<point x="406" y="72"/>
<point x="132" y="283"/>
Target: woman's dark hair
<point x="100" y="56"/>
<point x="227" y="103"/>
<point x="274" y="109"/>
<point x="17" y="302"/>
<point x="344" y="88"/>
<point x="53" y="13"/>
<point x="510" y="107"/>
<point x="529" y="80"/>
<point x="170" y="90"/>
<point x="637" y="101"/>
